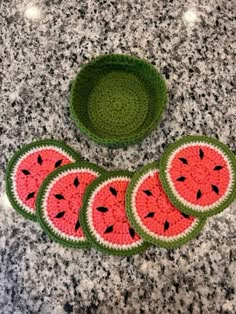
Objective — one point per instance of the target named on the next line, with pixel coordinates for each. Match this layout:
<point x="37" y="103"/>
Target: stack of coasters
<point x="168" y="201"/>
<point x="165" y="203"/>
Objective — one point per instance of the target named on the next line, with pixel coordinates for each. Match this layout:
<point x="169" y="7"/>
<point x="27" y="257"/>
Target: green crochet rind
<point x="177" y="202"/>
<point x="26" y="148"/>
<point x="140" y="230"/>
<point x="103" y="79"/>
<point x="40" y="217"/>
<point x="86" y="226"/>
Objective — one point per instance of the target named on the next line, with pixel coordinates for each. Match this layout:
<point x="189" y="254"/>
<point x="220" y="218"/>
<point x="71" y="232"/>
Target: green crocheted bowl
<point x="117" y="100"/>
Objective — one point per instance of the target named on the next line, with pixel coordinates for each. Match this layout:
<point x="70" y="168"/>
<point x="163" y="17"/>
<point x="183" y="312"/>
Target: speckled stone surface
<point x="41" y="49"/>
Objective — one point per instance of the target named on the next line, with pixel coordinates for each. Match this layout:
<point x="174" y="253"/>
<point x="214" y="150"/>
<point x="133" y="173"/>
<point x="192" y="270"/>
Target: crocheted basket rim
<point x="117" y="100"/>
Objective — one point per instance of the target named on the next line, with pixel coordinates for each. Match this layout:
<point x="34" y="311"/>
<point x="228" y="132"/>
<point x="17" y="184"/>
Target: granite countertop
<point x="42" y="46"/>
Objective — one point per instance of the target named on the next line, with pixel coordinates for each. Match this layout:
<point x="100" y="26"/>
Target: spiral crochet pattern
<point x="117" y="100"/>
<point x="165" y="203"/>
<point x="198" y="175"/>
<point x="152" y="214"/>
<point x="29" y="167"/>
<point x="103" y="216"/>
<point x="60" y="199"/>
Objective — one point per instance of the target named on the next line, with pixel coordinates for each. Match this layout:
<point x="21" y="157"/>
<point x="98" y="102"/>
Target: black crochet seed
<point x="77" y="225"/>
<point x="59" y="196"/>
<point x="181" y="179"/>
<point x="40" y="160"/>
<point x="102" y="209"/>
<point x="201" y="153"/>
<point x="109" y="229"/>
<point x="215" y="189"/>
<point x="166" y="225"/>
<point x="60" y="215"/>
<point x="185" y="215"/>
<point x="150" y="215"/>
<point x="199" y="194"/>
<point x="76" y="182"/>
<point x="184" y="161"/>
<point x="132" y="232"/>
<point x="58" y="163"/>
<point x="30" y="195"/>
<point x="26" y="172"/>
<point x="147" y="192"/>
<point x="113" y="191"/>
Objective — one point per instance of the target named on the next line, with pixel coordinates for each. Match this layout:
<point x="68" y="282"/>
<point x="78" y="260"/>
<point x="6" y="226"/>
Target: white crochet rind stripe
<point x="45" y="199"/>
<point x="90" y="220"/>
<point x="15" y="169"/>
<point x="199" y="208"/>
<point x="142" y="178"/>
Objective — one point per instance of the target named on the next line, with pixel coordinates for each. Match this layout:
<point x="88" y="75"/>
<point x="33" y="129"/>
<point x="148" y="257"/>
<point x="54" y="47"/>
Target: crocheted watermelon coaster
<point x="60" y="199"/>
<point x="118" y="100"/>
<point x="29" y="167"/>
<point x="103" y="216"/>
<point x="199" y="175"/>
<point x="153" y="216"/>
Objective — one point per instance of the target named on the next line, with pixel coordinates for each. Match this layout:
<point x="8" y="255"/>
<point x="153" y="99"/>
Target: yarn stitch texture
<point x="60" y="199"/>
<point x="199" y="175"/>
<point x="117" y="100"/>
<point x="29" y="167"/>
<point x="153" y="216"/>
<point x="103" y="216"/>
<point x="81" y="205"/>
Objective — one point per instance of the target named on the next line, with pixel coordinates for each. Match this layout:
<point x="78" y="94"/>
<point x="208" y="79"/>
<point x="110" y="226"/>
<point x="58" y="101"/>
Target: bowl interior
<point x="118" y="100"/>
